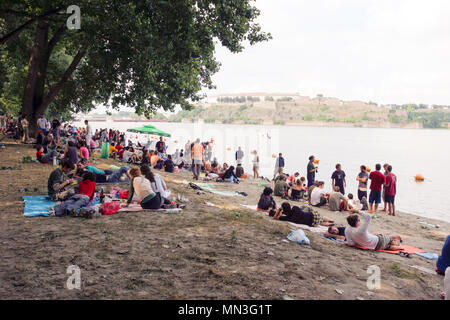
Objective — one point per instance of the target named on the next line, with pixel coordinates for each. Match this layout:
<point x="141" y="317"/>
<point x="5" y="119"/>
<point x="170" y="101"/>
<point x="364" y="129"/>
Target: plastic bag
<point x="298" y="236"/>
<point x="110" y="208"/>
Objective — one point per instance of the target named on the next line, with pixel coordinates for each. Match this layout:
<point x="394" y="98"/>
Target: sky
<point x="386" y="51"/>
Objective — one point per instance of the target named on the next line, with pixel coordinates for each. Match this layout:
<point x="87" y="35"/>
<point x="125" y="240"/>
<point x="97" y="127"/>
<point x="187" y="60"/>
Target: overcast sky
<point x="387" y="51"/>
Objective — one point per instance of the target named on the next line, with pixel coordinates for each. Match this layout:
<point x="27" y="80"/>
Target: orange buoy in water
<point x="419" y="177"/>
<point x="228" y="148"/>
<point x="274" y="155"/>
<point x="316" y="161"/>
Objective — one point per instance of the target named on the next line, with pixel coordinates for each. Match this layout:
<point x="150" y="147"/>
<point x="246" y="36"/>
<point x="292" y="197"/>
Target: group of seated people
<point x="77" y="189"/>
<point x="291" y="187"/>
<point x="355" y="234"/>
<point x="285" y="182"/>
<point x="335" y="200"/>
<point x="214" y="171"/>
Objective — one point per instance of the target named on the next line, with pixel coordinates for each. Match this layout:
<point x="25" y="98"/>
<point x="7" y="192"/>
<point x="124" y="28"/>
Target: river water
<point x="409" y="151"/>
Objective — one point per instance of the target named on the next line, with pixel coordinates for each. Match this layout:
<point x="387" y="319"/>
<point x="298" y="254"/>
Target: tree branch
<point x="18" y="30"/>
<point x="57" y="87"/>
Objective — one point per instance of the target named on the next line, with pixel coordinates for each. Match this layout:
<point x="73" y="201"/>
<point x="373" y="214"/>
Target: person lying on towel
<point x="296" y="215"/>
<point x="357" y="234"/>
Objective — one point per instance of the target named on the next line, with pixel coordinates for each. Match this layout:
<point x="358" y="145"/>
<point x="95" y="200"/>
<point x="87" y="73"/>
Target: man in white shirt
<point x="319" y="195"/>
<point x="357" y="234"/>
<point x="42" y="124"/>
<point x="88" y="134"/>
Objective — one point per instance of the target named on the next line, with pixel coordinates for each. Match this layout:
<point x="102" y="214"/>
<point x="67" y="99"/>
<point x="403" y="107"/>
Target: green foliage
<point x="285" y="99"/>
<point x="308" y="117"/>
<point x="394" y="118"/>
<point x="143" y="54"/>
<point x="268" y="98"/>
<point x="433" y="120"/>
<point x="279" y="122"/>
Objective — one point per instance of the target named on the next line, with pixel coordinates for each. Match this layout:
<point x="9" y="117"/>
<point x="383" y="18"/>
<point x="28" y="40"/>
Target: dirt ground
<point x="222" y="252"/>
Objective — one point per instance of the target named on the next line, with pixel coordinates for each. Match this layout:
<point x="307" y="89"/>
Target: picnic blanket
<point x="134" y="207"/>
<point x="211" y="188"/>
<point x="36" y="206"/>
<point x="406" y="249"/>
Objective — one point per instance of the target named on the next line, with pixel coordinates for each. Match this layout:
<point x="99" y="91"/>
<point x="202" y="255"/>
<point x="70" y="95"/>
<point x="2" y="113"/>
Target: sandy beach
<point x="221" y="252"/>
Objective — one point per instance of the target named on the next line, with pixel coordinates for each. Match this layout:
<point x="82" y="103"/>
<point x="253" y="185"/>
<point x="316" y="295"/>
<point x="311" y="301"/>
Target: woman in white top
<point x="255" y="165"/>
<point x="157" y="183"/>
<point x="143" y="189"/>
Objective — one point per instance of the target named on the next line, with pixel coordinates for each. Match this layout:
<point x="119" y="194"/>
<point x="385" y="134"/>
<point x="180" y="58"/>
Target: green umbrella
<point x="151" y="130"/>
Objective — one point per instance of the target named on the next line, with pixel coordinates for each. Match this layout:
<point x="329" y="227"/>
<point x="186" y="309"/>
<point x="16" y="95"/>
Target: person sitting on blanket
<point x="336" y="232"/>
<point x="319" y="196"/>
<point x="157" y="182"/>
<point x="358" y="235"/>
<point x="296" y="215"/>
<point x="148" y="199"/>
<point x="229" y="176"/>
<point x="168" y="164"/>
<point x="59" y="185"/>
<point x="281" y="187"/>
<point x="443" y="262"/>
<point x="292" y="179"/>
<point x="85" y="195"/>
<point x="266" y="202"/>
<point x="354" y="204"/>
<point x="102" y="176"/>
<point x="311" y="189"/>
<point x="46" y="158"/>
<point x="337" y="201"/>
<point x="298" y="189"/>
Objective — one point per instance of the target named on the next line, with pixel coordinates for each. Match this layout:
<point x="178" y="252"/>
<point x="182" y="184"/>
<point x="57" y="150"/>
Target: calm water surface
<point x="409" y="151"/>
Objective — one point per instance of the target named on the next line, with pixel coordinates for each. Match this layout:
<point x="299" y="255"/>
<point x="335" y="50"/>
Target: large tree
<point x="142" y="54"/>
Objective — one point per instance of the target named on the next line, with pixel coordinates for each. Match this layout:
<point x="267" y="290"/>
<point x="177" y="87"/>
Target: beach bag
<point x="298" y="236"/>
<point x="110" y="208"/>
<point x="124" y="194"/>
<point x="104" y="153"/>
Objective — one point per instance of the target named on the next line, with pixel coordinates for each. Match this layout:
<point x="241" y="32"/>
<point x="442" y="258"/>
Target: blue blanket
<point x="36" y="206"/>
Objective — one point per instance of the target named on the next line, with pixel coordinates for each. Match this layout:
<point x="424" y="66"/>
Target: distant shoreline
<point x="323" y="124"/>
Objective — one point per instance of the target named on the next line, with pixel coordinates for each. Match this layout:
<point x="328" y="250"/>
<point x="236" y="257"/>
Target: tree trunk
<point x="37" y="53"/>
<point x="38" y="96"/>
<point x="53" y="92"/>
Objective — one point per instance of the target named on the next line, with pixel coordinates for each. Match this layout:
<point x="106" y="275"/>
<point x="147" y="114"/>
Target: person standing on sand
<point x="239" y="156"/>
<point x="390" y="189"/>
<point x="88" y="134"/>
<point x="376" y="184"/>
<point x="311" y="170"/>
<point x="384" y="189"/>
<point x="362" y="183"/>
<point x="255" y="165"/>
<point x="338" y="179"/>
<point x="197" y="157"/>
<point x="279" y="165"/>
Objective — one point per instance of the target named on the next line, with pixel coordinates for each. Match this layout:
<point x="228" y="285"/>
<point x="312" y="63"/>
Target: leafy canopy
<point x="142" y="54"/>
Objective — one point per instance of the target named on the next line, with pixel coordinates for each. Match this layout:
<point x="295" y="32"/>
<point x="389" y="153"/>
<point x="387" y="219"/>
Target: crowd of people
<point x="76" y="179"/>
